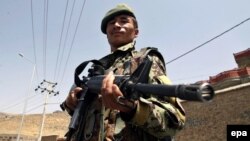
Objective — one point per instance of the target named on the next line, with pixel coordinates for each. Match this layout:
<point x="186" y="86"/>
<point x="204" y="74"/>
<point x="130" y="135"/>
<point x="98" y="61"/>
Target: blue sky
<point x="174" y="27"/>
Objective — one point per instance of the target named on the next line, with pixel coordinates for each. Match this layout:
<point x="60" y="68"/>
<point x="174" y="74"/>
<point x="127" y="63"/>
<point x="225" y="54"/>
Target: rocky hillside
<point x="55" y="124"/>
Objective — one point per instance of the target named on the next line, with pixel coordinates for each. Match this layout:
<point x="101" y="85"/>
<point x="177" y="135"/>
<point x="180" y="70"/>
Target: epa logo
<point x="239" y="133"/>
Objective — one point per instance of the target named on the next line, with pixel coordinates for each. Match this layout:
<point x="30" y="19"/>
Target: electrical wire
<point x="33" y="37"/>
<point x="34" y="108"/>
<point x="38" y="106"/>
<point x="5" y="108"/>
<point x="45" y="28"/>
<point x="208" y="41"/>
<point x="79" y="19"/>
<point x="66" y="38"/>
<point x="59" y="47"/>
<point x="46" y="7"/>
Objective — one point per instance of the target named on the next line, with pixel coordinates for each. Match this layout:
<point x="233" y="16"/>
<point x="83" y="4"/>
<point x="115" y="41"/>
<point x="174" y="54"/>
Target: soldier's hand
<point x="72" y="98"/>
<point x="110" y="93"/>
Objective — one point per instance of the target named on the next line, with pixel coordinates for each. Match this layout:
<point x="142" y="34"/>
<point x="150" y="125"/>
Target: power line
<point x="46" y="7"/>
<point x="34" y="108"/>
<point x="45" y="25"/>
<point x="79" y="19"/>
<point x="208" y="41"/>
<point x="59" y="48"/>
<point x="66" y="37"/>
<point x="4" y="108"/>
<point x="33" y="36"/>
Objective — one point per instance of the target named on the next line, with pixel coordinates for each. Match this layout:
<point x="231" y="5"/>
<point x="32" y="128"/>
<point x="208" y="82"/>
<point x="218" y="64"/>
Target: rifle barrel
<point x="193" y="92"/>
<point x="203" y="92"/>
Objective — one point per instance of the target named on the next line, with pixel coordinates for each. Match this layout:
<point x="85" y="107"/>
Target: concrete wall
<point x="50" y="138"/>
<point x="208" y="121"/>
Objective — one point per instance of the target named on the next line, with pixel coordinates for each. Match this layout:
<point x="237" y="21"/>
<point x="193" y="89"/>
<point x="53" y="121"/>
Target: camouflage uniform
<point x="155" y="117"/>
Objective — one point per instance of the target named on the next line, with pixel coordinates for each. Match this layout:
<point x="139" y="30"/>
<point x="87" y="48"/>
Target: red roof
<point x="230" y="74"/>
<point x="234" y="73"/>
<point x="244" y="53"/>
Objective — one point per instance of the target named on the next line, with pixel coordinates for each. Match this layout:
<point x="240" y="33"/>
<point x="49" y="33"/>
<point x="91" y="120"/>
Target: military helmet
<point x="118" y="10"/>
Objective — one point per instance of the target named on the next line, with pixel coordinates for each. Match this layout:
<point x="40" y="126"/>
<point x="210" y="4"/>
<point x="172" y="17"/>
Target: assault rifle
<point x="135" y="84"/>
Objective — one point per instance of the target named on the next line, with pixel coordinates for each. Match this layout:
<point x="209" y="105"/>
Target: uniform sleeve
<point x="159" y="116"/>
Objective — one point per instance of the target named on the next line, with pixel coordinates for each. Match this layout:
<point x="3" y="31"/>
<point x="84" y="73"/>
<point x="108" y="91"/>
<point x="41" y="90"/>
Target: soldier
<point x="150" y="118"/>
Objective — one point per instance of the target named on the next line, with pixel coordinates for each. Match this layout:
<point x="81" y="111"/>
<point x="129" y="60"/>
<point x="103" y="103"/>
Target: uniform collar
<point x="129" y="46"/>
<point x="108" y="60"/>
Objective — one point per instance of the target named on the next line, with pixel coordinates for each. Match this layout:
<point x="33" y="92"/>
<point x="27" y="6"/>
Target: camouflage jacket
<point x="155" y="118"/>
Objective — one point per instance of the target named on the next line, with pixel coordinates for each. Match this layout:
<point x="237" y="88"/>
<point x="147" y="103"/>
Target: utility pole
<point x="27" y="96"/>
<point x="47" y="87"/>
